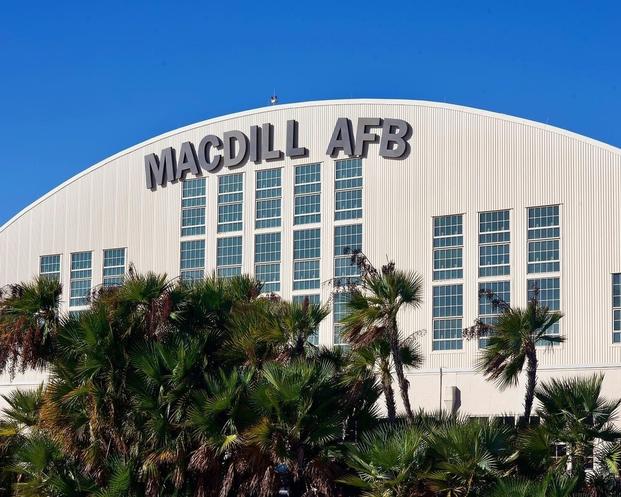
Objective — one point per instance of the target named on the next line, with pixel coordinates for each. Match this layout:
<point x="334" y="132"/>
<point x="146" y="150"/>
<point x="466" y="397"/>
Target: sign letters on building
<point x="234" y="148"/>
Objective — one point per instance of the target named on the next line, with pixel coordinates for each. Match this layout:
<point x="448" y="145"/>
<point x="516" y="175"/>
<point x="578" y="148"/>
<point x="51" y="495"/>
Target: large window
<point x="488" y="311"/>
<point x="494" y="240"/>
<point x="543" y="239"/>
<point x="193" y="202"/>
<point x="616" y="308"/>
<point x="448" y="241"/>
<point x="80" y="278"/>
<point x="267" y="260"/>
<point x="312" y="299"/>
<point x="548" y="292"/>
<point x="339" y="311"/>
<point x="268" y="198"/>
<point x="113" y="267"/>
<point x="229" y="256"/>
<point x="347" y="239"/>
<point x="307" y="193"/>
<point x="49" y="267"/>
<point x="448" y="308"/>
<point x="230" y="202"/>
<point x="306" y="253"/>
<point x="348" y="189"/>
<point x="192" y="260"/>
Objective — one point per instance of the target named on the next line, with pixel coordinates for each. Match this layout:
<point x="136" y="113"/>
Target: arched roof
<point x="317" y="103"/>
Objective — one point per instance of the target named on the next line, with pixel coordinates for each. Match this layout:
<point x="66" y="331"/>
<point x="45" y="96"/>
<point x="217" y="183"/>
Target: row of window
<point x="267" y="257"/>
<point x="447" y="299"/>
<point x="268" y="194"/>
<point x="494" y="243"/>
<point x="494" y="262"/>
<point x="616" y="308"/>
<point x="448" y="308"/>
<point x="81" y="272"/>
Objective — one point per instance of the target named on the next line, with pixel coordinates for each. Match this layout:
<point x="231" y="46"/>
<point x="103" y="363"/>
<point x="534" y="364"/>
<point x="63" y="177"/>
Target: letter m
<point x="159" y="171"/>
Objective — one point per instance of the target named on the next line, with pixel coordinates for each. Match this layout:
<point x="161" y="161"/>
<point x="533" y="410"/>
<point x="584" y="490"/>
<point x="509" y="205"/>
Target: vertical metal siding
<point x="461" y="161"/>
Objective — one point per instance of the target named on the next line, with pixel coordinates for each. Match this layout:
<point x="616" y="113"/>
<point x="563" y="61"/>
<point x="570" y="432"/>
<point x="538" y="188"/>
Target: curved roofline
<point x="314" y="103"/>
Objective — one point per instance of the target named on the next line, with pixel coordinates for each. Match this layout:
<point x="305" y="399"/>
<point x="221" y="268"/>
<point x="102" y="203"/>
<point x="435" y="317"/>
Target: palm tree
<point x="269" y="327"/>
<point x="550" y="486"/>
<point x="167" y="388"/>
<point x="361" y="391"/>
<point x="298" y="322"/>
<point x="29" y="319"/>
<point x="388" y="461"/>
<point x="45" y="471"/>
<point x="574" y="413"/>
<point x="513" y="343"/>
<point x="151" y="392"/>
<point x="19" y="418"/>
<point x="374" y="308"/>
<point x="609" y="456"/>
<point x="469" y="456"/>
<point x="375" y="358"/>
<point x="23" y="406"/>
<point x="143" y="304"/>
<point x="537" y="453"/>
<point x="300" y="419"/>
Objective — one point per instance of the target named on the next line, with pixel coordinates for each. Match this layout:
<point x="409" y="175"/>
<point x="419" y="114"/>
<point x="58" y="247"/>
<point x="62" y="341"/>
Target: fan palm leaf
<point x="29" y="318"/>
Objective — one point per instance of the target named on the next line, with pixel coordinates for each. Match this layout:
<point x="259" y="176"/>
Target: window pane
<point x="80" y="278"/>
<point x="548" y="292"/>
<point x="616" y="308"/>
<point x="494" y="248"/>
<point x="230" y="202"/>
<point x="448" y="243"/>
<point x="267" y="261"/>
<point x="228" y="272"/>
<point x="49" y="267"/>
<point x="487" y="311"/>
<point x="447" y="226"/>
<point x="347" y="239"/>
<point x="306" y="253"/>
<point x="193" y="202"/>
<point x="306" y="275"/>
<point x="113" y="267"/>
<point x="192" y="260"/>
<point x="348" y="189"/>
<point x="229" y="256"/>
<point x="447" y="317"/>
<point x="339" y="310"/>
<point x="269" y="275"/>
<point x="307" y="201"/>
<point x="447" y="334"/>
<point x="268" y="194"/>
<point x="544" y="239"/>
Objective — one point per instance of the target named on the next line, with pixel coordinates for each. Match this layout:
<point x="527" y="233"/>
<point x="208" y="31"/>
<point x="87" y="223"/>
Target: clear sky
<point x="80" y="81"/>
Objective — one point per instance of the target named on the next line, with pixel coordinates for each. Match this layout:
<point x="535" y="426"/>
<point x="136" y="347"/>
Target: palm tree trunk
<point x="299" y="345"/>
<point x="404" y="384"/>
<point x="531" y="382"/>
<point x="389" y="393"/>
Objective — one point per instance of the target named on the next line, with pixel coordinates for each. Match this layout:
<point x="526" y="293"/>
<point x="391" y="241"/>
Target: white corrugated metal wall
<point x="462" y="161"/>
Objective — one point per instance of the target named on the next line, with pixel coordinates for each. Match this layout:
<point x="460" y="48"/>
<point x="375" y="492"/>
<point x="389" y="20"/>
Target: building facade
<point x="470" y="199"/>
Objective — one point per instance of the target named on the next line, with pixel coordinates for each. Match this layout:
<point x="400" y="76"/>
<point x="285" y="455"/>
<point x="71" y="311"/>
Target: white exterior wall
<point x="462" y="161"/>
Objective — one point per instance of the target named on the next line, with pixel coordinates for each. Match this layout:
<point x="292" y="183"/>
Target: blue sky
<point x="83" y="80"/>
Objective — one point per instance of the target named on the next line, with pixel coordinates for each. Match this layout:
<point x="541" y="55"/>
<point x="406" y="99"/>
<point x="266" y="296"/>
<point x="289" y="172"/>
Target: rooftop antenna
<point x="274" y="98"/>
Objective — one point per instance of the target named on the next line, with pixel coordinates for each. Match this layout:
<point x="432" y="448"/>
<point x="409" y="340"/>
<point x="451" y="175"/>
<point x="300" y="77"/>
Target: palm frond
<point x="23" y="406"/>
